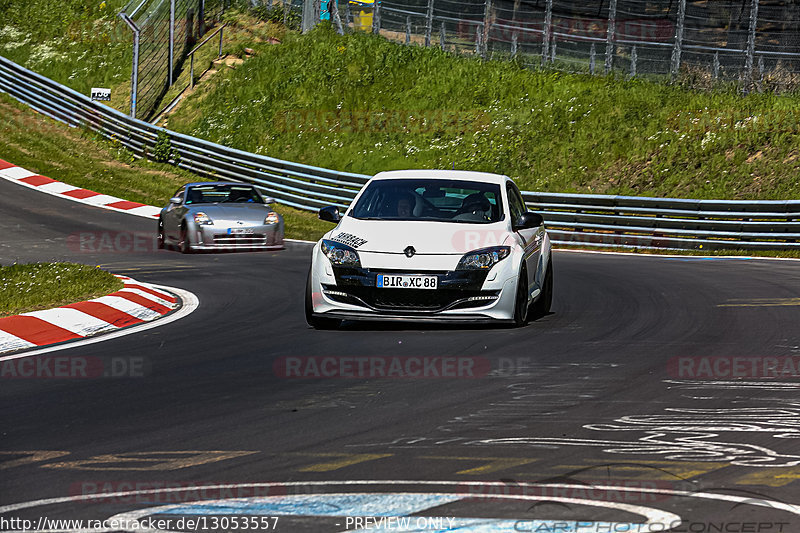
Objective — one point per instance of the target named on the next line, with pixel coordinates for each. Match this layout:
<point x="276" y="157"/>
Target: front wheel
<point x="186" y="245"/>
<point x="317" y="322"/>
<point x="521" y="301"/>
<point x="542" y="305"/>
<point x="160" y="237"/>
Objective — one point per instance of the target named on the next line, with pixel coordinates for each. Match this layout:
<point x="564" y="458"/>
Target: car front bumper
<point x="264" y="237"/>
<point x="461" y="296"/>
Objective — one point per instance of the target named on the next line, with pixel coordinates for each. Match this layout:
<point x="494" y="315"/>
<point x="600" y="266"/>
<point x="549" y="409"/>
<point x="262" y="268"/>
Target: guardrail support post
<point x="548" y="28"/>
<point x="429" y="24"/>
<point x="222" y="29"/>
<point x="715" y="66"/>
<point x="678" y="45"/>
<point x="514" y="45"/>
<point x="191" y="71"/>
<point x="634" y="58"/>
<point x="442" y="40"/>
<point x="592" y="58"/>
<point x="611" y="35"/>
<point x="286" y="9"/>
<point x="408" y="29"/>
<point x="553" y="50"/>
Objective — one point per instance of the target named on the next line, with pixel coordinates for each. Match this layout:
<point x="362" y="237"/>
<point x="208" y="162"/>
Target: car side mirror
<point x="528" y="220"/>
<point x="330" y="214"/>
<point x="269" y="200"/>
<point x="175" y="200"/>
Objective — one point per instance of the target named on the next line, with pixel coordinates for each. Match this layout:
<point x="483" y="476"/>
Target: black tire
<point x="185" y="245"/>
<point x="160" y="235"/>
<point x="317" y="322"/>
<point x="542" y="304"/>
<point x="521" y="305"/>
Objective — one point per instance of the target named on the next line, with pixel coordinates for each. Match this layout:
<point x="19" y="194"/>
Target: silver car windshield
<point x="217" y="193"/>
<point x="437" y="200"/>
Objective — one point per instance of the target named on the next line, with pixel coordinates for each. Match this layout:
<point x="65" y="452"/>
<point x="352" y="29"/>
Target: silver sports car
<point x="219" y="216"/>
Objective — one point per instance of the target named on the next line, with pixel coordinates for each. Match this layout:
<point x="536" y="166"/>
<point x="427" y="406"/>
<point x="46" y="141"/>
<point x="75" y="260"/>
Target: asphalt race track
<point x="636" y="399"/>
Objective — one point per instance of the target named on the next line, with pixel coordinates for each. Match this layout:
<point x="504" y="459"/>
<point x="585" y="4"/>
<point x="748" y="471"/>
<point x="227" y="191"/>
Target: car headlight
<point x="340" y="254"/>
<point x="272" y="218"/>
<point x="202" y="218"/>
<point x="483" y="259"/>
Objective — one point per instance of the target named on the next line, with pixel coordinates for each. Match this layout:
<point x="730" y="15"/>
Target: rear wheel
<point x="521" y="302"/>
<point x="542" y="305"/>
<point x="317" y="322"/>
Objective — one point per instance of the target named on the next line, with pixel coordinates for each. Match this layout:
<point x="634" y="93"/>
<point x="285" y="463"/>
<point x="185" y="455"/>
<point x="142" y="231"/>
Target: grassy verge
<point x="28" y="287"/>
<point x="83" y="159"/>
<point x="363" y="104"/>
<point x="77" y="43"/>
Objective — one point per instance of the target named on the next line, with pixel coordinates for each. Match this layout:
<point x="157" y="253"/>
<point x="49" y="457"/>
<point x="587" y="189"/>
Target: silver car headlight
<point x="483" y="259"/>
<point x="340" y="254"/>
<point x="202" y="219"/>
<point x="272" y="218"/>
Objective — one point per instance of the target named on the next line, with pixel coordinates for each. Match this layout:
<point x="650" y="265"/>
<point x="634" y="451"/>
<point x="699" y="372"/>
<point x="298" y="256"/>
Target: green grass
<point x="550" y="131"/>
<point x="28" y="287"/>
<point x="84" y="159"/>
<point x="74" y="42"/>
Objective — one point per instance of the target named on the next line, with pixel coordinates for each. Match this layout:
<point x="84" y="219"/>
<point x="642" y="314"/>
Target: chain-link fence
<point x="163" y="30"/>
<point x="753" y="43"/>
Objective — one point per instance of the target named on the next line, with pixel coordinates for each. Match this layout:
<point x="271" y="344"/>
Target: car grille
<point x="409" y="300"/>
<point x="241" y="240"/>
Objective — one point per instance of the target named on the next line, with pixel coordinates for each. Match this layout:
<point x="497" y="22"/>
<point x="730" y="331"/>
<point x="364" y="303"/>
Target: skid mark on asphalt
<point x="762" y="302"/>
<point x="646" y="470"/>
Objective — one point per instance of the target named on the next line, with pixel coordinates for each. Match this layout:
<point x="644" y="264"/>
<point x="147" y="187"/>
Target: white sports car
<point x="427" y="245"/>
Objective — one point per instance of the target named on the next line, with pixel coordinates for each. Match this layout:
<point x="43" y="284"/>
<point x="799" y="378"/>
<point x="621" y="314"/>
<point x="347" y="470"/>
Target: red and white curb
<point x="32" y="180"/>
<point x="136" y="304"/>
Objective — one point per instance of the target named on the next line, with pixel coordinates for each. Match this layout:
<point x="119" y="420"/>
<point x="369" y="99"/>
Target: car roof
<point x="466" y="175"/>
<point x="194" y="183"/>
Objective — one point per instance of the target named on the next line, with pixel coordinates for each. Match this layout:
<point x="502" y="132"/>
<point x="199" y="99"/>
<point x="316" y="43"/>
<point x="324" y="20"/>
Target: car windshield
<point x="212" y="194"/>
<point x="437" y="200"/>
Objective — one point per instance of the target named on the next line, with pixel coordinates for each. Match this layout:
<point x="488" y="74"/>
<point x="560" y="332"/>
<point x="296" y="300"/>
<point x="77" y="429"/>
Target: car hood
<point x="244" y="212"/>
<point x="431" y="238"/>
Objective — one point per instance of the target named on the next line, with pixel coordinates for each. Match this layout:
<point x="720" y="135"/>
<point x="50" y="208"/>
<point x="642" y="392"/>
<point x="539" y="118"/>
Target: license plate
<point x="392" y="281"/>
<point x="240" y="231"/>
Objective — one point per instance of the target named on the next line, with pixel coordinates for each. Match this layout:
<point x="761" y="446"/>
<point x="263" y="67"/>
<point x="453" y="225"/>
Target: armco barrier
<point x="597" y="220"/>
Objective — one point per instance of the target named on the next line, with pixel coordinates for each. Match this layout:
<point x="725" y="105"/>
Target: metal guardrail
<point x="598" y="220"/>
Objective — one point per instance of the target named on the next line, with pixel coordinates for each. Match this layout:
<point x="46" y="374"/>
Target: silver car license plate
<point x="393" y="281"/>
<point x="240" y="231"/>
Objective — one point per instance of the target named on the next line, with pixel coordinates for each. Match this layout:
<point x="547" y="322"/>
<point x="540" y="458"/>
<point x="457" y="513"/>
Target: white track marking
<point x="58" y="187"/>
<point x="72" y="320"/>
<point x="189" y="304"/>
<point x="127" y="306"/>
<point x="12" y="342"/>
<point x="16" y="173"/>
<point x="757" y="502"/>
<point x="147" y="295"/>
